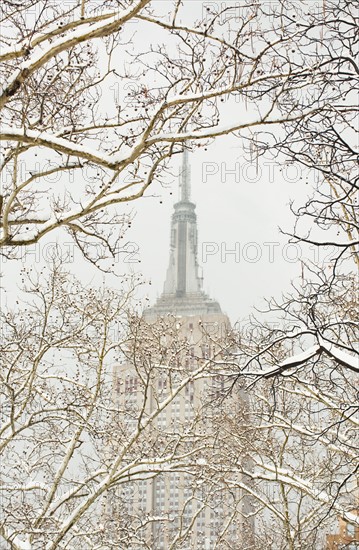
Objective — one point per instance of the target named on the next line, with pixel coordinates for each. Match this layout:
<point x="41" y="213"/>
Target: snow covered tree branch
<point x="300" y="437"/>
<point x="87" y="393"/>
<point x="85" y="128"/>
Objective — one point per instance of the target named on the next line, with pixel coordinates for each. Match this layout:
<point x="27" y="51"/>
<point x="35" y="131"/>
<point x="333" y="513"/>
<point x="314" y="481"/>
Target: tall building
<point x="182" y="293"/>
<point x="191" y="513"/>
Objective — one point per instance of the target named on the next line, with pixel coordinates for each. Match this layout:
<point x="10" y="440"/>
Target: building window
<point x="131" y="385"/>
<point x="162" y="386"/>
<point x="205" y="351"/>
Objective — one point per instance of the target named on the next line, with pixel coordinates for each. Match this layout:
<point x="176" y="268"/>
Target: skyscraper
<point x="180" y="510"/>
<point x="182" y="293"/>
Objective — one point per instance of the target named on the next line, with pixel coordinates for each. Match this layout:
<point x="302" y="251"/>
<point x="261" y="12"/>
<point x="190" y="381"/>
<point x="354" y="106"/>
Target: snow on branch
<point x="40" y="56"/>
<point x="343" y="358"/>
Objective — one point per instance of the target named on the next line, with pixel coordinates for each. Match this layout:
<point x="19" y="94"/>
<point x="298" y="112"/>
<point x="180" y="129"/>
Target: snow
<point x="45" y="139"/>
<point x="84" y="32"/>
<point x="345" y="359"/>
<point x="22" y="544"/>
<point x="289" y="363"/>
<point x="10" y="51"/>
<point x="57" y="503"/>
<point x="48" y="140"/>
<point x="300" y="358"/>
<point x="281" y="474"/>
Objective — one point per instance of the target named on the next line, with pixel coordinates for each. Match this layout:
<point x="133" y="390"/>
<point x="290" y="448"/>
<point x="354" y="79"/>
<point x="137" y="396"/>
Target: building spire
<point x="185" y="181"/>
<point x="182" y="292"/>
<point x="182" y="274"/>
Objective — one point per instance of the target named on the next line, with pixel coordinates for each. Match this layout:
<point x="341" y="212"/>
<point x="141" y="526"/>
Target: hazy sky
<point x="243" y="255"/>
<point x="239" y="208"/>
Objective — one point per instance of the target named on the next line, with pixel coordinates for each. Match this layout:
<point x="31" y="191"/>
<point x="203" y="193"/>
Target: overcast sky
<point x="242" y="252"/>
<point x="239" y="208"/>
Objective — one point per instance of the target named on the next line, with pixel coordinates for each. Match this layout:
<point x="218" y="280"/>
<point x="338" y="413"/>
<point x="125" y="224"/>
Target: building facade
<point x="347" y="536"/>
<point x="180" y="510"/>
